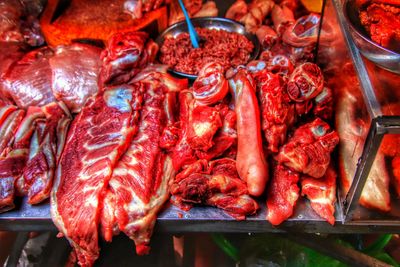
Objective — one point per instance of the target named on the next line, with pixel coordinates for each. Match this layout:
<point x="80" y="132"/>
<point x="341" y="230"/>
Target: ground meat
<point x="228" y="48"/>
<point x="383" y="24"/>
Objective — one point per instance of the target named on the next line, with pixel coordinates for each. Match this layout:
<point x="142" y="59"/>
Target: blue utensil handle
<point x="192" y="32"/>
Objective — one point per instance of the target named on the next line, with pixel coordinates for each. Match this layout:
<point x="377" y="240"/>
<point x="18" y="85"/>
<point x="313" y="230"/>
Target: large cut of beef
<point x="99" y="135"/>
<point x="139" y="185"/>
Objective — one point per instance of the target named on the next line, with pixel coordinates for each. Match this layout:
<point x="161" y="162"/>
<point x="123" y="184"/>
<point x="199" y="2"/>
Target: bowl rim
<point x="256" y="43"/>
<point x="355" y="30"/>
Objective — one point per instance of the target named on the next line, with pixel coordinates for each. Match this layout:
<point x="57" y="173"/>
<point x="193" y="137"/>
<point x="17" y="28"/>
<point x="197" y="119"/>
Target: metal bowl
<point x="210" y="23"/>
<point x="382" y="56"/>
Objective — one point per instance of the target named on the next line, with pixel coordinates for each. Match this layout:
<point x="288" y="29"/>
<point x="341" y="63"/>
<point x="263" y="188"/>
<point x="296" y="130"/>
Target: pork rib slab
<point x="139" y="183"/>
<point x="97" y="138"/>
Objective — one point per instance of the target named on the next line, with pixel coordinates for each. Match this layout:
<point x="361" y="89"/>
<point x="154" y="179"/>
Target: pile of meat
<point x="230" y="49"/>
<point x="110" y="135"/>
<point x="381" y="19"/>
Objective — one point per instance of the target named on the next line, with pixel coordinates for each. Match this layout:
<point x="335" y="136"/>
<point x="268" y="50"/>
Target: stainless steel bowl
<point x="382" y="56"/>
<point x="210" y="23"/>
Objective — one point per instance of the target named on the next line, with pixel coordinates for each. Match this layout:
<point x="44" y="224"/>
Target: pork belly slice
<point x="139" y="185"/>
<point x="322" y="194"/>
<point x="215" y="183"/>
<point x="47" y="140"/>
<point x="282" y="194"/>
<point x="99" y="135"/>
<point x="13" y="161"/>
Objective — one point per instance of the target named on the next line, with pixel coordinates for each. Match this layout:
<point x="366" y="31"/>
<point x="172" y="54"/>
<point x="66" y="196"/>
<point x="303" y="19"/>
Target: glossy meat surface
<point x="99" y="135"/>
<point x="75" y="71"/>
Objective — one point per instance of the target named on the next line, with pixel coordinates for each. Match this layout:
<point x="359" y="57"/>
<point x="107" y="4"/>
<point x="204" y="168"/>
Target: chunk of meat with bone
<point x="99" y="135"/>
<point x="214" y="183"/>
<point x="308" y="150"/>
<point x="45" y="148"/>
<point x="126" y="53"/>
<point x="305" y="83"/>
<point x="276" y="110"/>
<point x="282" y="194"/>
<point x="225" y="138"/>
<point x="210" y="85"/>
<point x="75" y="71"/>
<point x="13" y="162"/>
<point x="322" y="194"/>
<point x="250" y="161"/>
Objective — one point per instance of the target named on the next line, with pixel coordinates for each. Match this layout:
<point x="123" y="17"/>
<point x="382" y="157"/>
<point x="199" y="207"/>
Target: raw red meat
<point x="139" y="184"/>
<point x="126" y="53"/>
<point x="75" y="70"/>
<point x="203" y="123"/>
<point x="305" y="83"/>
<point x="282" y="194"/>
<point x="99" y="135"/>
<point x="277" y="112"/>
<point x="250" y="161"/>
<point x="322" y="194"/>
<point x="10" y="14"/>
<point x="9" y="54"/>
<point x="308" y="150"/>
<point x="48" y="139"/>
<point x="182" y="153"/>
<point x="210" y="85"/>
<point x="323" y="107"/>
<point x="9" y="127"/>
<point x="214" y="183"/>
<point x="225" y="138"/>
<point x="12" y="162"/>
<point x="28" y="82"/>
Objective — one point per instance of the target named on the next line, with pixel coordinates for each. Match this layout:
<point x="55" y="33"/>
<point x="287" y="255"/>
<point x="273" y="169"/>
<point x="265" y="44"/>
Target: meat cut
<point x="45" y="146"/>
<point x="215" y="183"/>
<point x="99" y="135"/>
<point x="139" y="184"/>
<point x="321" y="193"/>
<point x="308" y="150"/>
<point x="75" y="70"/>
<point x="282" y="194"/>
<point x="42" y="76"/>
